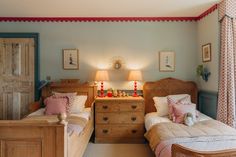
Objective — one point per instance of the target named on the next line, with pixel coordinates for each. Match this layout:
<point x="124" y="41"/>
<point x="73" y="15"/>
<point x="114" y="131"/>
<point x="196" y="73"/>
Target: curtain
<point x="227" y="85"/>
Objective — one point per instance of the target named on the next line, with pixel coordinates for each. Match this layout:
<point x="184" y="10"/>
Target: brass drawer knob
<point x="105" y="131"/>
<point x="134" y="131"/>
<point x="133" y="106"/>
<point x="104" y="107"/>
<point x="105" y="118"/>
<point x="133" y="118"/>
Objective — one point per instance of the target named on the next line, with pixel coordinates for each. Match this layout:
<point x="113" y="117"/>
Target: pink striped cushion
<point x="55" y="105"/>
<point x="180" y="110"/>
<point x="171" y="102"/>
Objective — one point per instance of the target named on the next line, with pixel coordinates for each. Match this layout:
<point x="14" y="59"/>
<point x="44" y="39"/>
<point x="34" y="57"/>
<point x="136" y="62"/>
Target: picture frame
<point x="206" y="52"/>
<point x="70" y="59"/>
<point x="167" y="61"/>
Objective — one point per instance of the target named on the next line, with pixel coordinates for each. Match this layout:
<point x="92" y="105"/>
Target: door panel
<point x="16" y="76"/>
<point x="17" y="148"/>
<point x="16" y="59"/>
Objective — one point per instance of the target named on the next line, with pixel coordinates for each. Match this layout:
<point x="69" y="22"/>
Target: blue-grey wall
<point x="138" y="43"/>
<point x="209" y="32"/>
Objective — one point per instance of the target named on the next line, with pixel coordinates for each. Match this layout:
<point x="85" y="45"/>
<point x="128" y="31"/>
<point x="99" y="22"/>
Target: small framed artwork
<point x="206" y="53"/>
<point x="70" y="59"/>
<point x="167" y="61"/>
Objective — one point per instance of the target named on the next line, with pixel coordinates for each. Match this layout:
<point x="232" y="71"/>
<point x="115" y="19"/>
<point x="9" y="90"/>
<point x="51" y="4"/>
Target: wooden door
<point x="16" y="76"/>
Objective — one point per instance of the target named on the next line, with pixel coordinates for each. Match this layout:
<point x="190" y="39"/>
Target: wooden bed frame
<point x="20" y="138"/>
<point x="167" y="86"/>
<point x="180" y="151"/>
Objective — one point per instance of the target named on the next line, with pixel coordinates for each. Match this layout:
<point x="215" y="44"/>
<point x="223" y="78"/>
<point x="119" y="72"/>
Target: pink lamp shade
<point x="101" y="75"/>
<point x="135" y="76"/>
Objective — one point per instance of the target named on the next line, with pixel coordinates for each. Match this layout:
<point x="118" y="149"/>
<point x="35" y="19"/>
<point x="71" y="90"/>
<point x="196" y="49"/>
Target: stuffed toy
<point x="189" y="119"/>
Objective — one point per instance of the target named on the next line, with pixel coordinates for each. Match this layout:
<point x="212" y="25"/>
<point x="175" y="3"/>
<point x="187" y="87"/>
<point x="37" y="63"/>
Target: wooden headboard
<point x="167" y="86"/>
<point x="81" y="89"/>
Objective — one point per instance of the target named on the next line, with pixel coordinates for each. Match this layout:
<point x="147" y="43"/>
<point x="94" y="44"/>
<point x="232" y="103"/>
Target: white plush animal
<point x="188" y="119"/>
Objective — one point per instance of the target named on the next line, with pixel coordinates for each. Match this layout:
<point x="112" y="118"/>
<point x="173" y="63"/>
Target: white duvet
<point x="71" y="128"/>
<point x="204" y="145"/>
<point x="153" y="118"/>
<point x="85" y="114"/>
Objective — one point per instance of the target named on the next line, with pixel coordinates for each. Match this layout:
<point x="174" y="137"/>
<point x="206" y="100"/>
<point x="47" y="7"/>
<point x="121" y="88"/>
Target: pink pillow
<point x="55" y="105"/>
<point x="171" y="102"/>
<point x="180" y="110"/>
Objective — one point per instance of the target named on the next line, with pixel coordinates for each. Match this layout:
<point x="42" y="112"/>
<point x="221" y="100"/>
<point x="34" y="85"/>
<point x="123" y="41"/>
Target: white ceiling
<point x="104" y="8"/>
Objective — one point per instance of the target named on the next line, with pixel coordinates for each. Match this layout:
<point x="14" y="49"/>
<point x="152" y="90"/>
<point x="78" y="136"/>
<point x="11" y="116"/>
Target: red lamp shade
<point x="135" y="76"/>
<point x="101" y="75"/>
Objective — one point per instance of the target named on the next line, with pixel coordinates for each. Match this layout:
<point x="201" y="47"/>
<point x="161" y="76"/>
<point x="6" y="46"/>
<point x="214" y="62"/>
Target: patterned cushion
<point x="161" y="103"/>
<point x="171" y="101"/>
<point x="77" y="103"/>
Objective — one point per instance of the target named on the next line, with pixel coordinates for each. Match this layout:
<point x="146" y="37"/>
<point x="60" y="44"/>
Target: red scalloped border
<point x="95" y="19"/>
<point x="106" y="19"/>
<point x="207" y="12"/>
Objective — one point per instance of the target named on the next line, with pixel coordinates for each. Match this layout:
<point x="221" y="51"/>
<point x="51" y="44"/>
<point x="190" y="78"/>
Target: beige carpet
<point x="118" y="150"/>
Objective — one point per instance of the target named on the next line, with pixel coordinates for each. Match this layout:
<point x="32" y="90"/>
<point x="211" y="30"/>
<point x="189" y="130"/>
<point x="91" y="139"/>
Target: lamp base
<point x="101" y="91"/>
<point x="135" y="89"/>
<point x="135" y="95"/>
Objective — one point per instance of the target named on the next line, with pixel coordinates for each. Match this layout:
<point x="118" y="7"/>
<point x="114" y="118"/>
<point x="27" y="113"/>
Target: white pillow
<point x="161" y="106"/>
<point x="161" y="103"/>
<point x="64" y="94"/>
<point x="77" y="103"/>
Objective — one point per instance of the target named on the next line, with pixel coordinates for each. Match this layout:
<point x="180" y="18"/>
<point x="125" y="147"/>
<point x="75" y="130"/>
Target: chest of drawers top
<point x="129" y="98"/>
<point x="119" y="104"/>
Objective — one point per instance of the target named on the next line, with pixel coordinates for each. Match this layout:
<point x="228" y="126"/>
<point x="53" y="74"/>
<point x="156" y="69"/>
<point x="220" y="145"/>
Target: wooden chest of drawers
<point x="119" y="120"/>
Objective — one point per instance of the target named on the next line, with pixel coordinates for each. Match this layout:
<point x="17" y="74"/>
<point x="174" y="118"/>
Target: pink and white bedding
<point x="76" y="122"/>
<point x="206" y="134"/>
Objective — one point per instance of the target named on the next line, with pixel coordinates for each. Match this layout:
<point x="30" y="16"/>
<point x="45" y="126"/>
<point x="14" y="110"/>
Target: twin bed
<point x="45" y="136"/>
<point x="205" y="135"/>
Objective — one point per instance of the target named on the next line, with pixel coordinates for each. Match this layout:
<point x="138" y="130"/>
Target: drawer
<point x="115" y="106"/>
<point x="106" y="106"/>
<point x="122" y="118"/>
<point x="132" y="106"/>
<point x="121" y="131"/>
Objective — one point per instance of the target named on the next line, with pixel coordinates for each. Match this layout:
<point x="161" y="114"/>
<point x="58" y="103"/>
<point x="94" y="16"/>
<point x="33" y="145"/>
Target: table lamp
<point x="135" y="75"/>
<point x="101" y="75"/>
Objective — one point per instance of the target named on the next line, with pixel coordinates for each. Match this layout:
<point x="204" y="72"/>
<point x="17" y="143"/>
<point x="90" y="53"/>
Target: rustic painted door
<point x="16" y="76"/>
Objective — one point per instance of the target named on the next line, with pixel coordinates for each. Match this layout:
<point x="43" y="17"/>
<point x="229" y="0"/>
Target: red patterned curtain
<point x="227" y="85"/>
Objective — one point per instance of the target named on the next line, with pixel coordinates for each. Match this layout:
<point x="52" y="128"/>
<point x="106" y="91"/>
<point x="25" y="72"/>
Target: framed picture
<point x="206" y="53"/>
<point x="167" y="61"/>
<point x="70" y="59"/>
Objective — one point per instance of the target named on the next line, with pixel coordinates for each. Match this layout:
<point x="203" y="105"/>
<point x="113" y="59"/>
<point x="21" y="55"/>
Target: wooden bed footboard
<point x="32" y="139"/>
<point x="19" y="138"/>
<point x="180" y="151"/>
